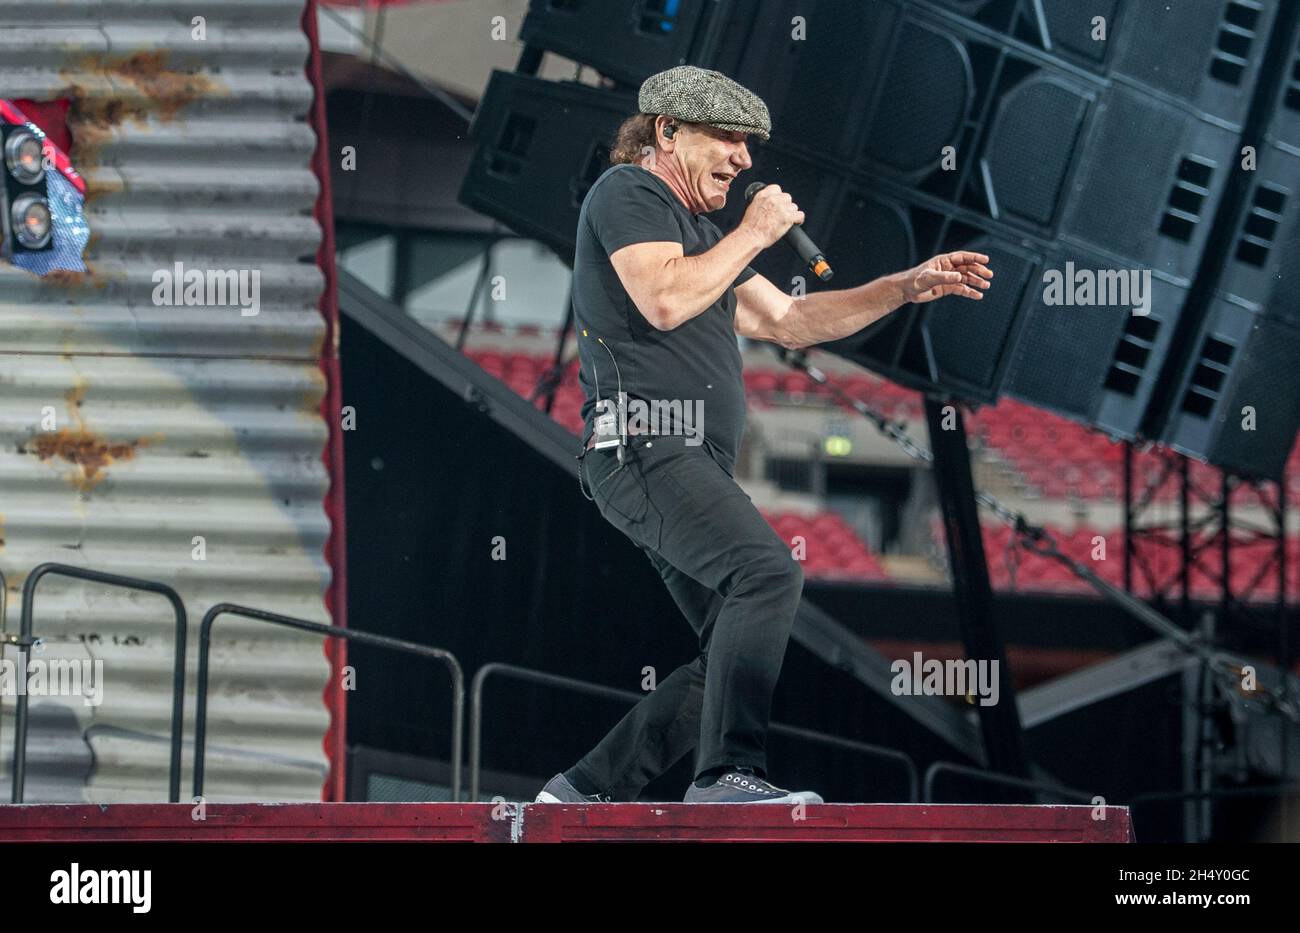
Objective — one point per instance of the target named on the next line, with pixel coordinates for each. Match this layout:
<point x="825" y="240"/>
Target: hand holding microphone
<point x="773" y="215"/>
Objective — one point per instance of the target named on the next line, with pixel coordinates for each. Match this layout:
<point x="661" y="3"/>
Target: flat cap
<point x="697" y="95"/>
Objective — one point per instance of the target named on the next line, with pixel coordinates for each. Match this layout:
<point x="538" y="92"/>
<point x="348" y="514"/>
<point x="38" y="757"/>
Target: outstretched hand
<point x="960" y="273"/>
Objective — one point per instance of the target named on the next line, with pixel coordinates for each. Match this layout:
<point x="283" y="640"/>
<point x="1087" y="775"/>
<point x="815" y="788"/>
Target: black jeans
<point x="734" y="580"/>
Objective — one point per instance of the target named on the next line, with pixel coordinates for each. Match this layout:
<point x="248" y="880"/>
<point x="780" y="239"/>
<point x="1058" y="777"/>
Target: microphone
<point x="799" y="242"/>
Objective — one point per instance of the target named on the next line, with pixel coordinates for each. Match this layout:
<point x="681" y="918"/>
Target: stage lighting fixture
<point x="24" y="156"/>
<point x="26" y="213"/>
<point x="30" y="217"/>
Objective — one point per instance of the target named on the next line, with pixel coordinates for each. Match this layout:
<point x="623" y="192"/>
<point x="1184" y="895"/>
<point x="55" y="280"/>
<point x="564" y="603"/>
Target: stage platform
<point x="513" y="822"/>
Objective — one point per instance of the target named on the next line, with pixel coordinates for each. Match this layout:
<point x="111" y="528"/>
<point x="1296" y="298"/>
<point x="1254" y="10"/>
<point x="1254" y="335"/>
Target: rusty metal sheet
<point x="181" y="442"/>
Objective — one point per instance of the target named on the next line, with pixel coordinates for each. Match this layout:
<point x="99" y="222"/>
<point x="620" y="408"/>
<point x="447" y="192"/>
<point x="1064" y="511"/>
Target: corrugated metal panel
<point x="172" y="422"/>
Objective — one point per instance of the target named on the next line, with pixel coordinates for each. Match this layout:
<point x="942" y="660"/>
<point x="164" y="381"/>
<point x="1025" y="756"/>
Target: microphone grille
<point x="753" y="189"/>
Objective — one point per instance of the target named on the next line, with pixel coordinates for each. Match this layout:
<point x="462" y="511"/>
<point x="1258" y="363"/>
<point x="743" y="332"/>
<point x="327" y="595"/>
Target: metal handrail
<point x="332" y="631"/>
<point x="25" y="640"/>
<point x="615" y="693"/>
<point x="866" y="748"/>
<point x="995" y="777"/>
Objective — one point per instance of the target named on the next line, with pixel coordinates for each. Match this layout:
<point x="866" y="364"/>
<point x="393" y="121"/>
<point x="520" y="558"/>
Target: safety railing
<point x="332" y="631"/>
<point x="996" y="777"/>
<point x="25" y="639"/>
<point x="613" y="693"/>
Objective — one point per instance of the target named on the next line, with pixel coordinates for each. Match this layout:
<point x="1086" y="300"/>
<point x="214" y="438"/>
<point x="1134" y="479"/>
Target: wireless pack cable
<point x="610" y="426"/>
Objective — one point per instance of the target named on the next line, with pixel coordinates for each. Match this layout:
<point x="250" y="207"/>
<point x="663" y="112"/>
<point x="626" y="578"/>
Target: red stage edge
<point x="511" y="822"/>
<point x="334" y="741"/>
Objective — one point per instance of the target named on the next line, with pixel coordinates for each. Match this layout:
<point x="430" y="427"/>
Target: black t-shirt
<point x="697" y="363"/>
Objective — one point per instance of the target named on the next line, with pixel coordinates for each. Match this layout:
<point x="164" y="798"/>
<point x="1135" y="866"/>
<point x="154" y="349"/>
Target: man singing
<point x="659" y="295"/>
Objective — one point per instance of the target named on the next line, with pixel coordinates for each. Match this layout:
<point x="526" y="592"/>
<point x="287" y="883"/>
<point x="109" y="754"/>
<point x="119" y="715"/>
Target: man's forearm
<point x="824" y="316"/>
<point x="694" y="283"/>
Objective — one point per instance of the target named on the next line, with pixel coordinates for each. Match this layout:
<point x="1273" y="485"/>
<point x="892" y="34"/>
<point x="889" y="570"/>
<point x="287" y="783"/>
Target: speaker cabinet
<point x="1238" y="404"/>
<point x="541" y="146"/>
<point x="625" y="39"/>
<point x="1204" y="54"/>
<point x="1260" y="265"/>
<point x="1092" y="340"/>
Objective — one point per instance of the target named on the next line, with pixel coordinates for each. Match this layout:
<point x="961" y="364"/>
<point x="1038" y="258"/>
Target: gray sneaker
<point x="744" y="786"/>
<point x="559" y="790"/>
